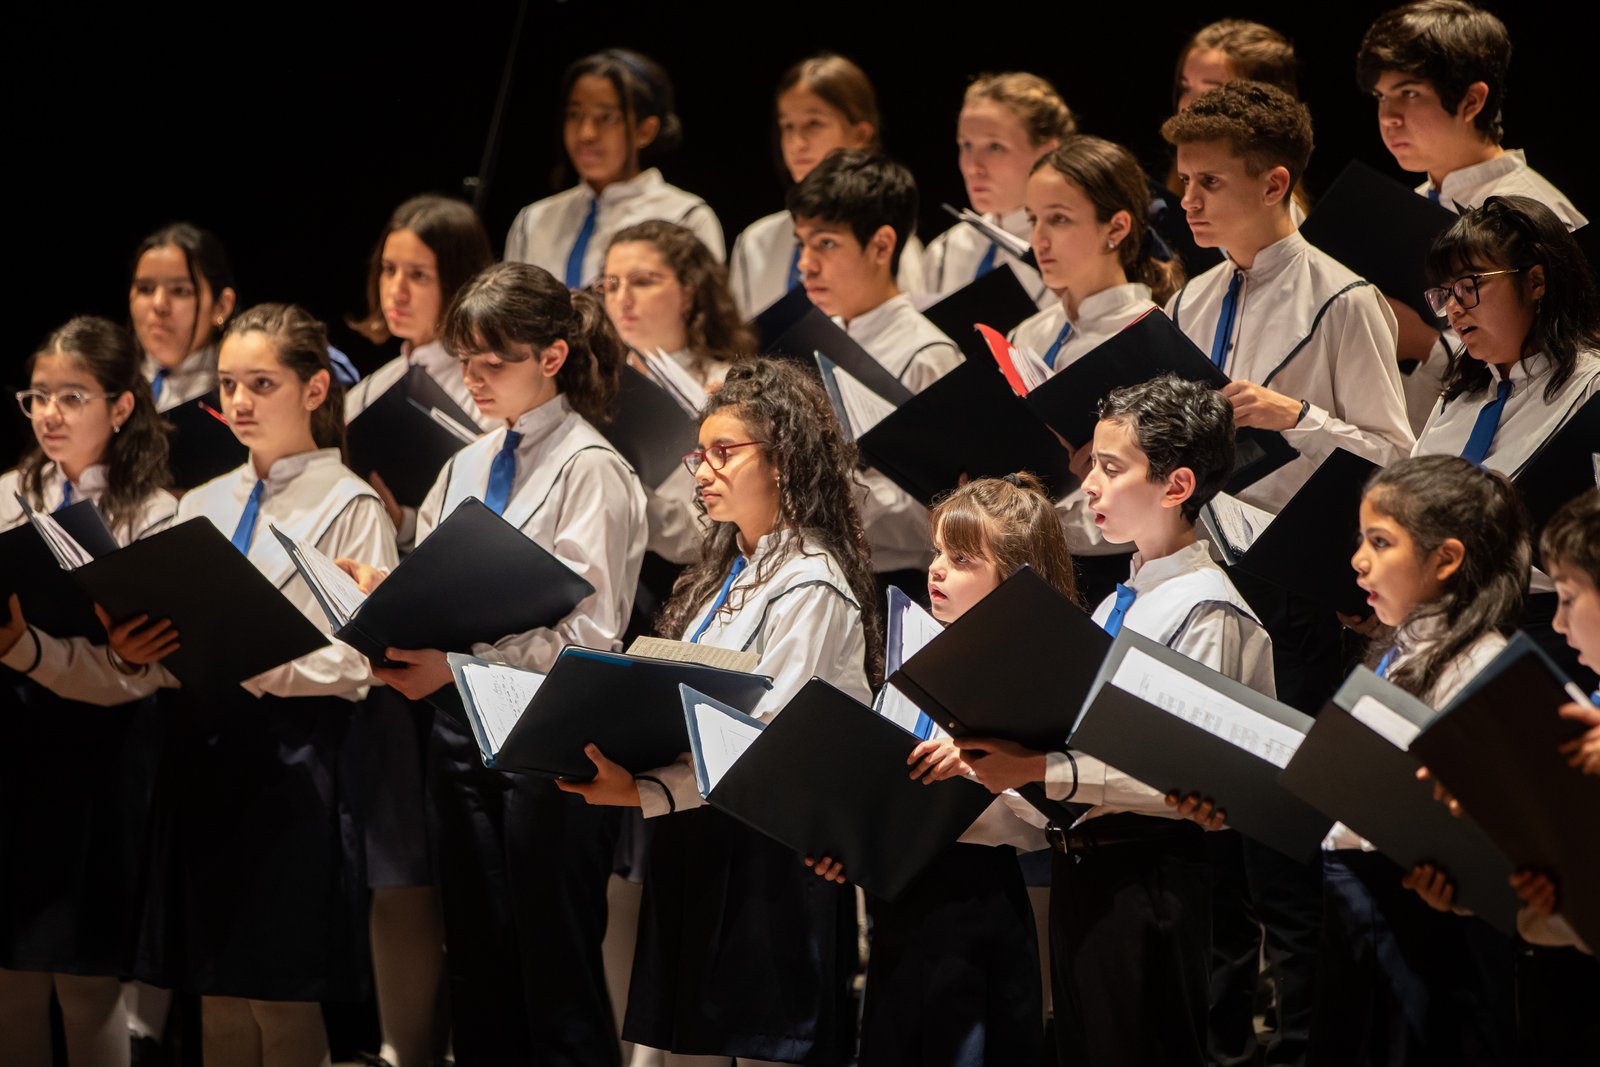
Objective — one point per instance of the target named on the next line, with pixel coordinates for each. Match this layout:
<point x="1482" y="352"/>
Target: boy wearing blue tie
<point x="1128" y="873"/>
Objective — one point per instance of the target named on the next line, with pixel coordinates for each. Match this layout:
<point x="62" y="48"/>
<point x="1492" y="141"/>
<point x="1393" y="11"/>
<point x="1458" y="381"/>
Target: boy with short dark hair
<point x="1130" y="871"/>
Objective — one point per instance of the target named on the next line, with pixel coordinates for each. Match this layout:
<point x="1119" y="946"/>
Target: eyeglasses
<point x="642" y="280"/>
<point x="69" y="402"/>
<point x="716" y="457"/>
<point x="1464" y="289"/>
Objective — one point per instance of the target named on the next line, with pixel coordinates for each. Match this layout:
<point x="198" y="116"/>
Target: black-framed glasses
<point x="1464" y="289"/>
<point x="716" y="457"/>
<point x="70" y="402"/>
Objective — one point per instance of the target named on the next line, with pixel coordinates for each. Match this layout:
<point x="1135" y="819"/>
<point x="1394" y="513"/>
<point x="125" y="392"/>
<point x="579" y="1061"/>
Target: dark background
<point x="294" y="131"/>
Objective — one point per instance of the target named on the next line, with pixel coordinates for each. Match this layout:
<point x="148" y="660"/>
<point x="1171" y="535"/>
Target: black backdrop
<point x="293" y="132"/>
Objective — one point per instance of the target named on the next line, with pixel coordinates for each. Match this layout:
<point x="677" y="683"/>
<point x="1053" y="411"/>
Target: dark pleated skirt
<point x="76" y="782"/>
<point x="953" y="977"/>
<point x="386" y="764"/>
<point x="742" y="951"/>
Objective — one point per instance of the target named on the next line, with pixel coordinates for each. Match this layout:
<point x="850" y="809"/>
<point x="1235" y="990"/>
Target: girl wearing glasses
<point x="179" y="300"/>
<point x="740" y="952"/>
<point x="523" y="869"/>
<point x="74" y="841"/>
<point x="1519" y="293"/>
<point x="619" y="121"/>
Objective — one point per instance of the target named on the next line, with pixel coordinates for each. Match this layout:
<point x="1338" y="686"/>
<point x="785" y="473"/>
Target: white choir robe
<point x="194" y="376"/>
<point x="758" y="268"/>
<point x="545" y="231"/>
<point x="579" y="500"/>
<point x="1528" y="419"/>
<point x="1345" y="368"/>
<point x="802" y="620"/>
<point x="953" y="258"/>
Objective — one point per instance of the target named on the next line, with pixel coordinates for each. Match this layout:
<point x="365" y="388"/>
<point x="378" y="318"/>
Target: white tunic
<point x="758" y="269"/>
<point x="195" y="376"/>
<point x="580" y="501"/>
<point x="802" y="620"/>
<point x="1345" y="367"/>
<point x="545" y="231"/>
<point x="953" y="258"/>
<point x="1186" y="602"/>
<point x="311" y="496"/>
<point x="1527" y="421"/>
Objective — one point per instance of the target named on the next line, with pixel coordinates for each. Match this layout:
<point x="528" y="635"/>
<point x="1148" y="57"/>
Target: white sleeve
<point x="933" y="262"/>
<point x="676" y="523"/>
<point x="894" y="520"/>
<point x="600" y="534"/>
<point x="428" y="516"/>
<point x="517" y="238"/>
<point x="1220" y="636"/>
<point x="739" y="276"/>
<point x="77" y="668"/>
<point x="1369" y="412"/>
<point x="1000" y="825"/>
<point x="702" y="222"/>
<point x="363" y="532"/>
<point x="910" y="277"/>
<point x="1099" y="785"/>
<point x="930" y="364"/>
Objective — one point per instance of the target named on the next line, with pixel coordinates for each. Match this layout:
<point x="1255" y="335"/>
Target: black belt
<point x="1084" y="840"/>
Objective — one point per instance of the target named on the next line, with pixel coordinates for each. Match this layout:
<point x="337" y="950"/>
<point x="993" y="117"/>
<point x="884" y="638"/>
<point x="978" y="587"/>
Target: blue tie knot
<point x="1224" y="334"/>
<point x="1487" y="425"/>
<point x="580" y="247"/>
<point x="739" y="564"/>
<point x="66" y="496"/>
<point x="1055" y="348"/>
<point x="1125" y="596"/>
<point x="246" y="530"/>
<point x="502" y="474"/>
<point x="158" y="383"/>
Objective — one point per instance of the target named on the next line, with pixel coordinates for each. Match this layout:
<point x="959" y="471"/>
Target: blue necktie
<point x="738" y="567"/>
<point x="344" y="371"/>
<point x="580" y="247"/>
<point x="1433" y="194"/>
<point x="66" y="496"/>
<point x="794" y="270"/>
<point x="986" y="264"/>
<point x="1384" y="663"/>
<point x="502" y="472"/>
<point x="1125" y="595"/>
<point x="1054" y="350"/>
<point x="246" y="529"/>
<point x="1594" y="698"/>
<point x="1219" y="343"/>
<point x="158" y="383"/>
<point x="1483" y="431"/>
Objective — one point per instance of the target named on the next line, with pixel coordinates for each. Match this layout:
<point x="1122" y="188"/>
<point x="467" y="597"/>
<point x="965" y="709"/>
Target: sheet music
<point x="1178" y="694"/>
<point x="1384" y="721"/>
<point x="728" y="659"/>
<point x="1237" y="523"/>
<point x="335" y="590"/>
<point x="678" y="382"/>
<point x="863" y="408"/>
<point x="1031" y="366"/>
<point x="62" y="545"/>
<point x="723" y="739"/>
<point x="499" y="694"/>
<point x="910" y="628"/>
<point x="1008" y="241"/>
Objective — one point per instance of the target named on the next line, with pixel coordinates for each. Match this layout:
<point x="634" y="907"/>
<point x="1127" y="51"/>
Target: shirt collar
<point x="287" y="469"/>
<point x="874" y="322"/>
<point x="90" y="485"/>
<point x="431" y="356"/>
<point x="1458" y="186"/>
<point x="1016" y="223"/>
<point x="1272" y="260"/>
<point x="643" y="182"/>
<point x="536" y="425"/>
<point x="768" y="544"/>
<point x="193" y="363"/>
<point x="1146" y="575"/>
<point x="1116" y="300"/>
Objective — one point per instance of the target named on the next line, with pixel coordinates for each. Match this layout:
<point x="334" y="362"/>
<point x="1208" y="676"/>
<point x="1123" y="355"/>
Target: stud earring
<point x="116" y="427"/>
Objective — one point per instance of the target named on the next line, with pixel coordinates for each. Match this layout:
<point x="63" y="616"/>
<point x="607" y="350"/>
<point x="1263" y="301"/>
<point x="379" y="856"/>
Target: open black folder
<point x="997" y="300"/>
<point x="650" y="428"/>
<point x="51" y="601"/>
<point x="232" y="623"/>
<point x="1381" y="230"/>
<point x="1174" y="724"/>
<point x="1069" y="401"/>
<point x="408" y="434"/>
<point x="796" y="329"/>
<point x="1495" y="748"/>
<point x="475" y="578"/>
<point x="202" y="445"/>
<point x="1353" y="766"/>
<point x="626" y="704"/>
<point x="1567" y="464"/>
<point x="828" y="777"/>
<point x="1304" y="549"/>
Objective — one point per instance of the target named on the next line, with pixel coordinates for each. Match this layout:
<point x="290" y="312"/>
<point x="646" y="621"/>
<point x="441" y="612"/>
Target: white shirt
<point x="578" y="499"/>
<point x="1346" y="369"/>
<point x="195" y="376"/>
<point x="1527" y="421"/>
<point x="758" y="269"/>
<point x="953" y="257"/>
<point x="312" y="497"/>
<point x="1506" y="175"/>
<point x="676" y="523"/>
<point x="1101" y="316"/>
<point x="1186" y="602"/>
<point x="545" y="231"/>
<point x="917" y="352"/>
<point x="802" y="620"/>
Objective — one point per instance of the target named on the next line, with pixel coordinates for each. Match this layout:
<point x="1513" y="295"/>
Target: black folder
<point x="232" y="622"/>
<point x="969" y="422"/>
<point x="1157" y="738"/>
<point x="828" y="777"/>
<point x="201" y="446"/>
<point x="796" y="329"/>
<point x="51" y="601"/>
<point x="475" y="578"/>
<point x="1003" y="238"/>
<point x="1567" y="464"/>
<point x="1017" y="665"/>
<point x="997" y="300"/>
<point x="628" y="705"/>
<point x="1494" y="748"/>
<point x="1381" y="230"/>
<point x="399" y="436"/>
<point x="1306" y="548"/>
<point x="650" y="429"/>
<point x="1150" y="346"/>
<point x="1350" y="773"/>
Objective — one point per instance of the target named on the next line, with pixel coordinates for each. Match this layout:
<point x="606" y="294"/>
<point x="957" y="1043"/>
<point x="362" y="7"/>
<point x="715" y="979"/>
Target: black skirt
<point x="265" y="885"/>
<point x="75" y="800"/>
<point x="386" y="765"/>
<point x="953" y="978"/>
<point x="742" y="951"/>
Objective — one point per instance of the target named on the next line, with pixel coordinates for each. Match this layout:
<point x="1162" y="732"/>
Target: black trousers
<point x="1130" y="937"/>
<point x="522" y="877"/>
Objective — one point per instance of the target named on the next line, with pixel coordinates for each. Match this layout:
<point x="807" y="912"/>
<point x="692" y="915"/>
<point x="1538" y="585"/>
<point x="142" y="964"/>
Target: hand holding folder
<point x="50" y="600"/>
